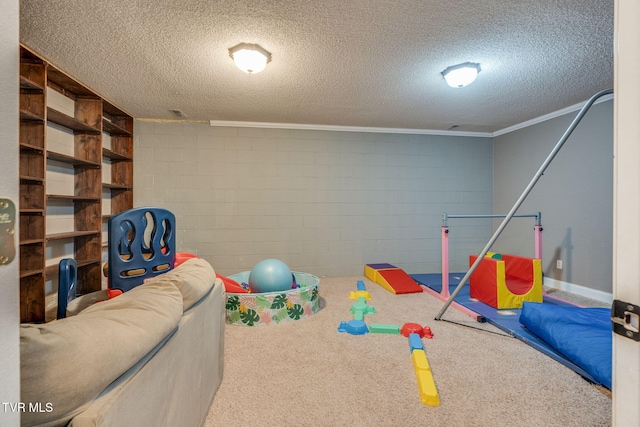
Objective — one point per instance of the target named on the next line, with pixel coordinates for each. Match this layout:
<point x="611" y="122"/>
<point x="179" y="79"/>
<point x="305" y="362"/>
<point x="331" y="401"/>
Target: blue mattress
<point x="582" y="335"/>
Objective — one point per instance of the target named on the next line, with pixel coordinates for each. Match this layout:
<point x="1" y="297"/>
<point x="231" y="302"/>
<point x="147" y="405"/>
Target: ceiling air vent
<point x="178" y="113"/>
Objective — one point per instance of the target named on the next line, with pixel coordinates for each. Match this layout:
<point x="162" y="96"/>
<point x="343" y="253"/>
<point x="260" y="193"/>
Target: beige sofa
<point x="153" y="356"/>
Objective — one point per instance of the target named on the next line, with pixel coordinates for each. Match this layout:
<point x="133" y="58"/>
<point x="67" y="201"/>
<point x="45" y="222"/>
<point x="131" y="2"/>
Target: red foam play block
<point x="484" y="280"/>
<point x="400" y="281"/>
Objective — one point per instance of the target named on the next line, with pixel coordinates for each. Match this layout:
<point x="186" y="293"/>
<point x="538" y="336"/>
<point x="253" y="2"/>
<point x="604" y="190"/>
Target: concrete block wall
<point x="324" y="202"/>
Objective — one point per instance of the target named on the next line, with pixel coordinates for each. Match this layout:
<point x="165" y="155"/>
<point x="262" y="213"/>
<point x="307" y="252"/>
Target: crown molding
<point x="549" y="116"/>
<point x="298" y="126"/>
<point x="144" y="119"/>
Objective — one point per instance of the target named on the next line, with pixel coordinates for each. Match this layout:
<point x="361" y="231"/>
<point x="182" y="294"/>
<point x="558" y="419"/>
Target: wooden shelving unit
<point x="99" y="130"/>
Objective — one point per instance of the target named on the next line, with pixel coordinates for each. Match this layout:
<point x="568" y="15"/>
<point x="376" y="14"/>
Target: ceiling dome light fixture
<point x="250" y="58"/>
<point x="461" y="75"/>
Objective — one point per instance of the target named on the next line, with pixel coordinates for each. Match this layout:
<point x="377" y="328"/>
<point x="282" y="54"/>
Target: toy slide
<point x="392" y="278"/>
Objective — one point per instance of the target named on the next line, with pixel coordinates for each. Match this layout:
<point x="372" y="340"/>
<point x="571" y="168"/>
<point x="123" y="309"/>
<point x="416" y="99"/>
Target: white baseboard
<point x="578" y="290"/>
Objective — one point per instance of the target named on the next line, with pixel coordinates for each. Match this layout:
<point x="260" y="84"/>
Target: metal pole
<point x="533" y="215"/>
<point x="446" y="216"/>
<point x="523" y="196"/>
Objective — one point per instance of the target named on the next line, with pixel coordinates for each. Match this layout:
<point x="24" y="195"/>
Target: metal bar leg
<point x="444" y="292"/>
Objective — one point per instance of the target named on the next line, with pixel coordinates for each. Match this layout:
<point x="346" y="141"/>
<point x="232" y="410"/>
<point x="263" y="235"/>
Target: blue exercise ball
<point x="270" y="275"/>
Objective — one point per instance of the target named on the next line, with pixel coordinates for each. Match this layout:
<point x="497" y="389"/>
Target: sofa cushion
<point x="194" y="278"/>
<point x="78" y="304"/>
<point x="65" y="364"/>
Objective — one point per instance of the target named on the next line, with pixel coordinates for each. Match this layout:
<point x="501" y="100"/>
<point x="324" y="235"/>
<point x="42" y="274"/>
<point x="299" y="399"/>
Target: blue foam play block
<point x="415" y="342"/>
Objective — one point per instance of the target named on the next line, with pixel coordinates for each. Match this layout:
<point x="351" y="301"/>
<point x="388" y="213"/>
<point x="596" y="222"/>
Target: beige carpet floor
<point x="305" y="373"/>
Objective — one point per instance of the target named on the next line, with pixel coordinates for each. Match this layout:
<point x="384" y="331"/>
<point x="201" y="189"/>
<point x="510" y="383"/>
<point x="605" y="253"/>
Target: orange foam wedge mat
<point x="393" y="279"/>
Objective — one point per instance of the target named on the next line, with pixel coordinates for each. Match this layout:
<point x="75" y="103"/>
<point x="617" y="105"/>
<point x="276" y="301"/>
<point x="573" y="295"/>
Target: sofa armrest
<point x="175" y="385"/>
<point x="68" y="362"/>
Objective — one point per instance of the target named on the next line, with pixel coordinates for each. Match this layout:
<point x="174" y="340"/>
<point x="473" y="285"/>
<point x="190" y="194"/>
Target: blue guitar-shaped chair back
<point x="142" y="244"/>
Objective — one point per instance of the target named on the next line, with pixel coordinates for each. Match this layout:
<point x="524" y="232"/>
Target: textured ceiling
<point x="372" y="63"/>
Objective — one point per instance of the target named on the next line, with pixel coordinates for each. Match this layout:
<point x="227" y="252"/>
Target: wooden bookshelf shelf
<point x="24" y="146"/>
<point x="31" y="179"/>
<point x="28" y="116"/>
<point x="55" y="116"/>
<point x="27" y="84"/>
<point x="29" y="273"/>
<point x="72" y="198"/>
<point x="31" y="211"/>
<point x="106" y="153"/>
<point x="113" y="129"/>
<point x="67" y="85"/>
<point x="70" y="235"/>
<point x="116" y="186"/>
<point x="31" y="241"/>
<point x="51" y="155"/>
<point x="52" y="270"/>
